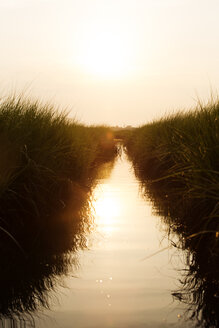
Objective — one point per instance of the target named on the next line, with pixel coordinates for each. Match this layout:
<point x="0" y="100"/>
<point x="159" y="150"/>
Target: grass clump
<point x="182" y="150"/>
<point x="176" y="160"/>
<point x="180" y="155"/>
<point x="49" y="166"/>
<point x="47" y="162"/>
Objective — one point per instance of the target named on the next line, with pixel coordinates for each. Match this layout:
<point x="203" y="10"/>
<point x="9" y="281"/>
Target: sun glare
<point x="106" y="209"/>
<point x="106" y="50"/>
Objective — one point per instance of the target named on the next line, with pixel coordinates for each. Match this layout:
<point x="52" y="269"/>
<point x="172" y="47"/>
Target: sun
<point x="105" y="51"/>
<point x="104" y="55"/>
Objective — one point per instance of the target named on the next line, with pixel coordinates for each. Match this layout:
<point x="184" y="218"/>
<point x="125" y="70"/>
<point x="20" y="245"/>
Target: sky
<point x="117" y="62"/>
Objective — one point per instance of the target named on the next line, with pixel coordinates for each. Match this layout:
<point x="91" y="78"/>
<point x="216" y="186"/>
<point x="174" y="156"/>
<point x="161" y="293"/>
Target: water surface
<point x="118" y="283"/>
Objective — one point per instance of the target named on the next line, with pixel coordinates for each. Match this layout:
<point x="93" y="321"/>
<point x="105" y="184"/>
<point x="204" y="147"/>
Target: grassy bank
<point x="47" y="169"/>
<point x="176" y="160"/>
<point x="49" y="166"/>
<point x="179" y="157"/>
<point x="182" y="151"/>
<point x="183" y="222"/>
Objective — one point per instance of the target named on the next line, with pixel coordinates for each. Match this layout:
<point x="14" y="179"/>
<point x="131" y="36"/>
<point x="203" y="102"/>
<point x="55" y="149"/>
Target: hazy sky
<point x="111" y="61"/>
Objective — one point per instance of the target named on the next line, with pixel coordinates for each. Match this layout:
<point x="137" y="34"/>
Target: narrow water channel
<point x="118" y="283"/>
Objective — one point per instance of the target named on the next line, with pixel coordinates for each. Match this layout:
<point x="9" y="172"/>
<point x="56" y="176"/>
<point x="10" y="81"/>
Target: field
<point x="48" y="169"/>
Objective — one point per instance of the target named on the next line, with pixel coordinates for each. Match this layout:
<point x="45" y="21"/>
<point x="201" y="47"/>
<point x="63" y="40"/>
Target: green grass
<point x="179" y="155"/>
<point x="47" y="169"/>
<point x="183" y="149"/>
<point x="176" y="159"/>
<point x="49" y="166"/>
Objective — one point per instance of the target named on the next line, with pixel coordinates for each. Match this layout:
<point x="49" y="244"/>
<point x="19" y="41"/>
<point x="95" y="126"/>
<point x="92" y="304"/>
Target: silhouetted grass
<point x="176" y="160"/>
<point x="183" y="151"/>
<point x="49" y="166"/>
<point x="47" y="162"/>
<point x="199" y="283"/>
<point x="123" y="134"/>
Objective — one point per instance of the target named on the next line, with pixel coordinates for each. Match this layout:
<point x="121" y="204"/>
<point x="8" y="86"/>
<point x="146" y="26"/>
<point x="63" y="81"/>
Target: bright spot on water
<point x="106" y="209"/>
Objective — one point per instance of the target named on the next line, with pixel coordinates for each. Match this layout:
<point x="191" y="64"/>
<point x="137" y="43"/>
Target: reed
<point x="182" y="150"/>
<point x="47" y="169"/>
<point x="176" y="159"/>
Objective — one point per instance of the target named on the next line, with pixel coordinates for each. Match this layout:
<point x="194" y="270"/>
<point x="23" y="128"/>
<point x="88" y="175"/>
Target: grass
<point x="182" y="150"/>
<point x="47" y="162"/>
<point x="176" y="159"/>
<point x="49" y="166"/>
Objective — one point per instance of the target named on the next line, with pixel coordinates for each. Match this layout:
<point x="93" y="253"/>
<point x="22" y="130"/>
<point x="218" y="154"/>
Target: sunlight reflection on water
<point x="107" y="208"/>
<point x="115" y="287"/>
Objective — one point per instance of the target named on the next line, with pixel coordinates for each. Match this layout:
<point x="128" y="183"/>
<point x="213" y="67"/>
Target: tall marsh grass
<point x="176" y="160"/>
<point x="49" y="165"/>
<point x="182" y="150"/>
<point x="47" y="162"/>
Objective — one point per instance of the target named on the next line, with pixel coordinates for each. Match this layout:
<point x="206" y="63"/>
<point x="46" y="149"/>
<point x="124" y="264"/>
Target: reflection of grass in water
<point x="177" y="161"/>
<point x="48" y="167"/>
<point x="200" y="280"/>
<point x="26" y="287"/>
<point x="25" y="281"/>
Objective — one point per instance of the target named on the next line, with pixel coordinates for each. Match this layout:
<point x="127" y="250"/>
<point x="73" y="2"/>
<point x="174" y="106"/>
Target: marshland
<point x="109" y="165"/>
<point x="176" y="162"/>
<point x="125" y="217"/>
<point x="49" y="165"/>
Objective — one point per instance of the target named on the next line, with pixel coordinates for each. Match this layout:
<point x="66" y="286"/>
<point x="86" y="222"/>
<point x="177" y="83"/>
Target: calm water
<point x="117" y="282"/>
